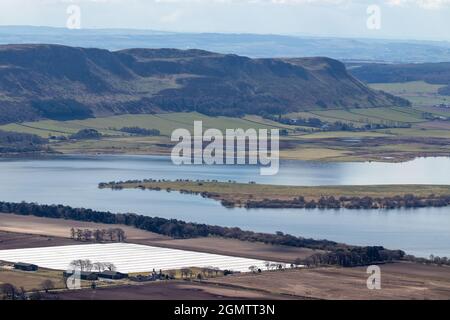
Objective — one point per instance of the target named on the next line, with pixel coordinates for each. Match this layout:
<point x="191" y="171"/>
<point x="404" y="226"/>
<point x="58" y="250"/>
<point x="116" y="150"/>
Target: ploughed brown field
<point x="405" y="281"/>
<point x="398" y="281"/>
<point x="237" y="248"/>
<point x="174" y="290"/>
<point x="61" y="228"/>
<point x="10" y="240"/>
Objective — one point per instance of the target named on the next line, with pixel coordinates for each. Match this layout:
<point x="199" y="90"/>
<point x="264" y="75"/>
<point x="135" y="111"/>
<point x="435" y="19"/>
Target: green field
<point x="419" y="93"/>
<point x="408" y="88"/>
<point x="165" y="123"/>
<point x="359" y="117"/>
<point x="408" y="136"/>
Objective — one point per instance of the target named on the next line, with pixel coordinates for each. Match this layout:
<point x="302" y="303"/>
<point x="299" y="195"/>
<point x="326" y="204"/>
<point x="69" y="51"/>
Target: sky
<point x="398" y="19"/>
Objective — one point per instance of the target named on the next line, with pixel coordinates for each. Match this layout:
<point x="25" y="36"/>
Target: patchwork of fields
<point x="409" y="132"/>
<point x="165" y="123"/>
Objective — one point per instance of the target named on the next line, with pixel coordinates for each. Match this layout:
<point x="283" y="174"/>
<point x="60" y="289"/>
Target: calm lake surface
<point x="73" y="180"/>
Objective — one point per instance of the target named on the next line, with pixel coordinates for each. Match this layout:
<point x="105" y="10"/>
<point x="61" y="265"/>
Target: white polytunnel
<point x="128" y="258"/>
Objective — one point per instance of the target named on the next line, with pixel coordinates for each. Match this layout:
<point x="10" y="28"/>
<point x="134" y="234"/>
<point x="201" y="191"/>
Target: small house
<point x="25" y="266"/>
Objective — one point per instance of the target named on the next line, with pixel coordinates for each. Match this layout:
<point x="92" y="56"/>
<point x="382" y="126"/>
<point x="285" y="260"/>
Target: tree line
<point x="183" y="230"/>
<point x="405" y="201"/>
<point x="352" y="257"/>
<point x="321" y="125"/>
<point x="14" y="142"/>
<point x="88" y="266"/>
<point x="98" y="235"/>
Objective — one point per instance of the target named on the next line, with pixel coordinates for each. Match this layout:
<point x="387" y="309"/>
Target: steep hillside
<point x="58" y="82"/>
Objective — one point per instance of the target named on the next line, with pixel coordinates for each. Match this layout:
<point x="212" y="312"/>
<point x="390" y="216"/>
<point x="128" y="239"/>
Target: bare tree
<point x="110" y="266"/>
<point x="9" y="291"/>
<point x="88" y="265"/>
<point x="111" y="234"/>
<point x="98" y="235"/>
<point x="72" y="233"/>
<point x="185" y="272"/>
<point x="47" y="285"/>
<point x="77" y="264"/>
<point x="79" y="234"/>
<point x="99" y="266"/>
<point x="121" y="237"/>
<point x="87" y="235"/>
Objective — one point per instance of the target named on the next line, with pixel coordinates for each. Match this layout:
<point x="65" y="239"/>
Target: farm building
<point x="113" y="275"/>
<point x="84" y="275"/>
<point x="25" y="266"/>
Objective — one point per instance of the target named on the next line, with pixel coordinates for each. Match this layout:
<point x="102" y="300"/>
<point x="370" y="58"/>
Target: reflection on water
<point x="73" y="181"/>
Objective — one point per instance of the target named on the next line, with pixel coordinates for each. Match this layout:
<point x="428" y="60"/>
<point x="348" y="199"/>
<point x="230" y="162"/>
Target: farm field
<point x="31" y="280"/>
<point x="165" y="123"/>
<point x="407" y="125"/>
<point x="409" y="281"/>
<point x="48" y="227"/>
<point x="419" y="93"/>
<point x="12" y="240"/>
<point x="173" y="290"/>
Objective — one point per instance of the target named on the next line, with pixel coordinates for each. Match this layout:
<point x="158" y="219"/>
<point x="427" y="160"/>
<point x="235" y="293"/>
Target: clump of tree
<point x="174" y="228"/>
<point x="352" y="257"/>
<point x="14" y="142"/>
<point x="432" y="259"/>
<point x="140" y="131"/>
<point x="10" y="292"/>
<point x="48" y="285"/>
<point x="86" y="134"/>
<point x="98" y="235"/>
<point x="88" y="266"/>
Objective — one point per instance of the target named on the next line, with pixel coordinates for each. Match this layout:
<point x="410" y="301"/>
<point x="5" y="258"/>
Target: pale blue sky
<point x="401" y="19"/>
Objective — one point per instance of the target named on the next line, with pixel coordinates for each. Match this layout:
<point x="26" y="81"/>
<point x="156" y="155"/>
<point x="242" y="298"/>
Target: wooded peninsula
<point x="252" y="195"/>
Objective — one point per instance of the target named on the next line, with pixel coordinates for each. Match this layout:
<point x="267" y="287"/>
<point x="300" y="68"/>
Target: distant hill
<point x="59" y="82"/>
<point x="433" y="73"/>
<point x="251" y="45"/>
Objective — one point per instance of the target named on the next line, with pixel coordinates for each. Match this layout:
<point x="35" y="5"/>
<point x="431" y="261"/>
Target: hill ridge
<point x="39" y="81"/>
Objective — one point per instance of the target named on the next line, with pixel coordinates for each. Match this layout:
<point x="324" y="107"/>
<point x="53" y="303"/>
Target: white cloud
<point x="426" y="4"/>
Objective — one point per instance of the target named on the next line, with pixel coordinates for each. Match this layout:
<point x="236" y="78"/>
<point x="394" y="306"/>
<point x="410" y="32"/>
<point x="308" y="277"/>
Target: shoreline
<point x="45" y="155"/>
<point x="284" y="155"/>
<point x="256" y="196"/>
